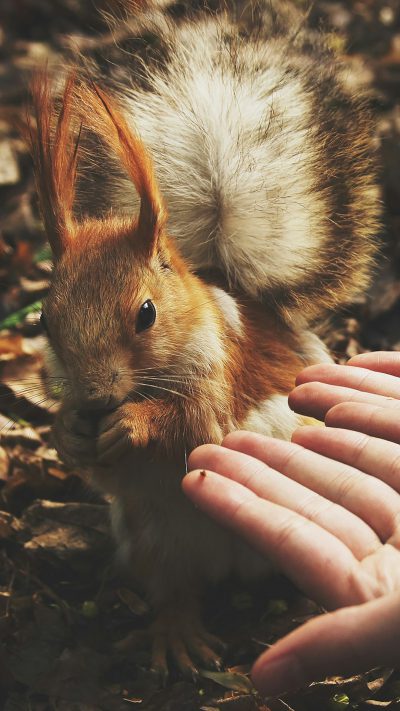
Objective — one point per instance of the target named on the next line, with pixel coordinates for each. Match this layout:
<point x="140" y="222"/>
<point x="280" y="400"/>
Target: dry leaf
<point x="230" y="680"/>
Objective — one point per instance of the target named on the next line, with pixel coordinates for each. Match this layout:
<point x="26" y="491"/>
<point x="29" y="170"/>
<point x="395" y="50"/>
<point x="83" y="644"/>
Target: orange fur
<point x="54" y="145"/>
<point x="54" y="148"/>
<point x="265" y="363"/>
<point x="104" y="117"/>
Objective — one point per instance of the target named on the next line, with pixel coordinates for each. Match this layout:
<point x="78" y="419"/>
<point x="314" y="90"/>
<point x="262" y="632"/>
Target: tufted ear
<point x="103" y="116"/>
<point x="54" y="142"/>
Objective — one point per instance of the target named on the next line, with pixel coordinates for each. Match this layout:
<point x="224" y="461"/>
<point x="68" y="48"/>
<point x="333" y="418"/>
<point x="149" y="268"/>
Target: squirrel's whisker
<point x="167" y="390"/>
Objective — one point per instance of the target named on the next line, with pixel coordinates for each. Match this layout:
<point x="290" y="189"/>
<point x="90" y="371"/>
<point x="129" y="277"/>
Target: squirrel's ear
<point x="104" y="117"/>
<point x="54" y="147"/>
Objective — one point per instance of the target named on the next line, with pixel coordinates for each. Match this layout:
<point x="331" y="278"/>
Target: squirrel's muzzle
<point x="98" y="405"/>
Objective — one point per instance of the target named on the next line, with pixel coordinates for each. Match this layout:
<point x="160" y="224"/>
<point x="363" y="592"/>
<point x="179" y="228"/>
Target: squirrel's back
<point x="262" y="153"/>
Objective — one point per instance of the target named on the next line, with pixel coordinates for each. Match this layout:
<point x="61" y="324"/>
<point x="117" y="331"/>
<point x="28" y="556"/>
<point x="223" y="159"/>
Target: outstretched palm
<point x="326" y="508"/>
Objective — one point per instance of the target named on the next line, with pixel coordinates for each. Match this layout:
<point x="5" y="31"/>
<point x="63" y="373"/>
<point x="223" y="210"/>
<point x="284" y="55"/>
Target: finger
<point x="374" y="421"/>
<point x="344" y="485"/>
<point x="272" y="486"/>
<point x="315" y="399"/>
<point x="344" y="643"/>
<point x="361" y="379"/>
<point x="371" y="455"/>
<point x="381" y="361"/>
<point x="316" y="561"/>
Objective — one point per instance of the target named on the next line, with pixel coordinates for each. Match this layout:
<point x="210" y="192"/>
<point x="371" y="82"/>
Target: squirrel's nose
<point x="94" y="405"/>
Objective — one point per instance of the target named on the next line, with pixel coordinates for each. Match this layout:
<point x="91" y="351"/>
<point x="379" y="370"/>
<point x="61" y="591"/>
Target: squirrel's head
<point x="123" y="313"/>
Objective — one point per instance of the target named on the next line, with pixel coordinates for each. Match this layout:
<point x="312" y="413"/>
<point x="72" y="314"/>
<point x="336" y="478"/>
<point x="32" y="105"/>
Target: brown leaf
<point x="59" y="534"/>
<point x="57" y="473"/>
<point x="25" y="436"/>
<point x="23" y="391"/>
<point x="9" y="169"/>
<point x="246" y="702"/>
<point x="373" y="704"/>
<point x="9" y="526"/>
<point x="4" y="463"/>
<point x="376" y="685"/>
<point x="230" y="680"/>
<point x="135" y="603"/>
<point x="11" y="344"/>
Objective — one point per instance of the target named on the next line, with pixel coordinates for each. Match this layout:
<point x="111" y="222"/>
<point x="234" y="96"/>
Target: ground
<point x="64" y="608"/>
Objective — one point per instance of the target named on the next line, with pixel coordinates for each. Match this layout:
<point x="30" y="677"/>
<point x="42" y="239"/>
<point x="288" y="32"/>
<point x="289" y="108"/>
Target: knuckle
<point x="344" y="489"/>
<point x="359" y="443"/>
<point x="288" y="531"/>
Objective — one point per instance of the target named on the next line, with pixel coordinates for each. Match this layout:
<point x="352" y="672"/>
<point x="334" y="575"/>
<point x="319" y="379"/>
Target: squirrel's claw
<point x="180" y="634"/>
<point x="176" y="635"/>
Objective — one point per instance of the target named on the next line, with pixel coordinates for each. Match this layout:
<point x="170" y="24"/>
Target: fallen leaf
<point x="25" y="436"/>
<point x="11" y="344"/>
<point x="16" y="318"/>
<point x="136" y="604"/>
<point x="9" y="169"/>
<point x="4" y="463"/>
<point x="230" y="680"/>
<point x="246" y="702"/>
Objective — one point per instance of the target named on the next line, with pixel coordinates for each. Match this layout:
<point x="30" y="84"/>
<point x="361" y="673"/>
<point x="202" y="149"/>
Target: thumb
<point x="345" y="642"/>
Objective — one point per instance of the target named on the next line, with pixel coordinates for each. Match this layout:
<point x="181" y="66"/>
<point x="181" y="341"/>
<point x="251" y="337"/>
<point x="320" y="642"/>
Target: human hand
<point x="356" y="396"/>
<point x="314" y="508"/>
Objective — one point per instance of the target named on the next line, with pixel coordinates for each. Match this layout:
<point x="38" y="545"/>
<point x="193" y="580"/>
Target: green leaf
<point x="338" y="702"/>
<point x="17" y="318"/>
<point x="43" y="254"/>
<point x="229" y="680"/>
<point x="276" y="607"/>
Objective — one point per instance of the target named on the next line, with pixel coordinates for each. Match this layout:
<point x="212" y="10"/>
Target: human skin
<point x="326" y="509"/>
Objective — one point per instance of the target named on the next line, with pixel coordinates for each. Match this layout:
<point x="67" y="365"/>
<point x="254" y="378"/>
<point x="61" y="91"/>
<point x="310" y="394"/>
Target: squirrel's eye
<point x="43" y="322"/>
<point x="146" y="316"/>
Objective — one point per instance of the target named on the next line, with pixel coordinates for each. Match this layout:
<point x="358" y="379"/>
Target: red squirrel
<point x="247" y="205"/>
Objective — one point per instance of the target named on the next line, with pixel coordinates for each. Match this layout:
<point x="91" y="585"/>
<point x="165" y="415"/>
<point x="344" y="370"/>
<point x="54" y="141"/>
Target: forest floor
<point x="64" y="609"/>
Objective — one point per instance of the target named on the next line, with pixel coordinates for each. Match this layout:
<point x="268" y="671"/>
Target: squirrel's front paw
<point x="120" y="432"/>
<point x="74" y="438"/>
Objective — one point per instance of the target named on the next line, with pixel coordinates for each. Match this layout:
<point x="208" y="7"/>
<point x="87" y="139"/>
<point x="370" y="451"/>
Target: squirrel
<point x="234" y="200"/>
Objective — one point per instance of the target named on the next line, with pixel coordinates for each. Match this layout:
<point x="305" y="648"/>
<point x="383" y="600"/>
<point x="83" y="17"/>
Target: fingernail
<point x="277" y="676"/>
